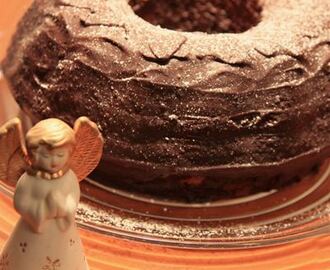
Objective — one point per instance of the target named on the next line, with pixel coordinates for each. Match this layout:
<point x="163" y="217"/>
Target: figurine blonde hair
<point x="84" y="141"/>
<point x="51" y="132"/>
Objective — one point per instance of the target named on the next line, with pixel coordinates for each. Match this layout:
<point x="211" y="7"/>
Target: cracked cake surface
<point x="176" y="106"/>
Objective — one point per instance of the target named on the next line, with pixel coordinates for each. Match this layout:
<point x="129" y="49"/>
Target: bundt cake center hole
<point x="210" y="16"/>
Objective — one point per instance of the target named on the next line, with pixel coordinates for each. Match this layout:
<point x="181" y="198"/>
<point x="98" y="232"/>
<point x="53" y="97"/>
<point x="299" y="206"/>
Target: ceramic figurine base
<point x="53" y="250"/>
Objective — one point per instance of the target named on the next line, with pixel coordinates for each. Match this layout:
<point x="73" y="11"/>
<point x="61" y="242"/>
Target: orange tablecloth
<point x="109" y="253"/>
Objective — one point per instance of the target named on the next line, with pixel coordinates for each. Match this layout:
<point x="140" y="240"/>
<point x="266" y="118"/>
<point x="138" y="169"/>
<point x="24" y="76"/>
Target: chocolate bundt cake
<point x="195" y="100"/>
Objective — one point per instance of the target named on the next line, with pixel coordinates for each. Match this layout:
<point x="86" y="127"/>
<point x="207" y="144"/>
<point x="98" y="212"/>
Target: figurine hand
<point x="55" y="204"/>
<point x="70" y="208"/>
<point x="39" y="217"/>
<point x="36" y="216"/>
<point x="61" y="208"/>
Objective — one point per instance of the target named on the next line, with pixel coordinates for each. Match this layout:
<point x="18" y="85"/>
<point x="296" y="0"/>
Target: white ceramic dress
<point x="46" y="236"/>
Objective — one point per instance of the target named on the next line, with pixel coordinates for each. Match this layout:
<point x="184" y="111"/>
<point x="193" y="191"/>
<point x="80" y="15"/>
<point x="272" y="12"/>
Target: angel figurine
<point x="47" y="170"/>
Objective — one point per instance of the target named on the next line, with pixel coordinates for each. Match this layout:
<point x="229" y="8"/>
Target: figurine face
<point x="51" y="160"/>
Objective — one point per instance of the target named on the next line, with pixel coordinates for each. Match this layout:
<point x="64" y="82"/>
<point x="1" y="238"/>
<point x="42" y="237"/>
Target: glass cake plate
<point x="275" y="217"/>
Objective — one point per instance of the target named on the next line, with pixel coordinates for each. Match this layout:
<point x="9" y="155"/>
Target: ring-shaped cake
<point x="187" y="115"/>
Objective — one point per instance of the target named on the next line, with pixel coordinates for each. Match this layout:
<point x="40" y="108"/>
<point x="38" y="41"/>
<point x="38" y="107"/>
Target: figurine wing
<point x="13" y="154"/>
<point x="89" y="146"/>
